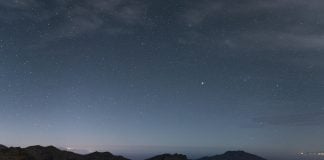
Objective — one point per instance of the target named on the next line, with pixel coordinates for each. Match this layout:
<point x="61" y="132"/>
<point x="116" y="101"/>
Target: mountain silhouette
<point x="233" y="155"/>
<point x="169" y="157"/>
<point x="53" y="153"/>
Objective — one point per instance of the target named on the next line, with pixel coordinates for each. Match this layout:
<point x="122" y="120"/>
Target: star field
<point x="144" y="77"/>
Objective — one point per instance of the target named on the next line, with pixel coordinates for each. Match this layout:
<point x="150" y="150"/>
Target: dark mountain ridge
<point x="2" y="147"/>
<point x="169" y="157"/>
<point x="53" y="153"/>
<point x="234" y="155"/>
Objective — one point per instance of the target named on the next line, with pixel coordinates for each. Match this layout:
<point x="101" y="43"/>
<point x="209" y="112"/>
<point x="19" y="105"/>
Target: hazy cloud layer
<point x="74" y="18"/>
<point x="252" y="26"/>
<point x="291" y="24"/>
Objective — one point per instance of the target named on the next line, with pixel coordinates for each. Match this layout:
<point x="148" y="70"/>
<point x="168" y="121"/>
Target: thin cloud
<point x="76" y="18"/>
<point x="197" y="12"/>
<point x="257" y="27"/>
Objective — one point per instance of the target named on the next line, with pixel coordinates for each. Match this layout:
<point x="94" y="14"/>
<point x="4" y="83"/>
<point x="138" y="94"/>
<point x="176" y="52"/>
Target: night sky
<point x="142" y="77"/>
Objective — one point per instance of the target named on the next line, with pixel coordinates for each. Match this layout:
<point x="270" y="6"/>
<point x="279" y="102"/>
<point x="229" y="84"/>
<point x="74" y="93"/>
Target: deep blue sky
<point x="141" y="77"/>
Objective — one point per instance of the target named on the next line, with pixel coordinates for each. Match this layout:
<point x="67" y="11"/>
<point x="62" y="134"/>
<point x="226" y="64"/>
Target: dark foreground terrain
<point x="52" y="153"/>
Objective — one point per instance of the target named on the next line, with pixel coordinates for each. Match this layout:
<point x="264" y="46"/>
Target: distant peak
<point x="101" y="153"/>
<point x="42" y="147"/>
<point x="234" y="155"/>
<point x="51" y="147"/>
<point x="168" y="156"/>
